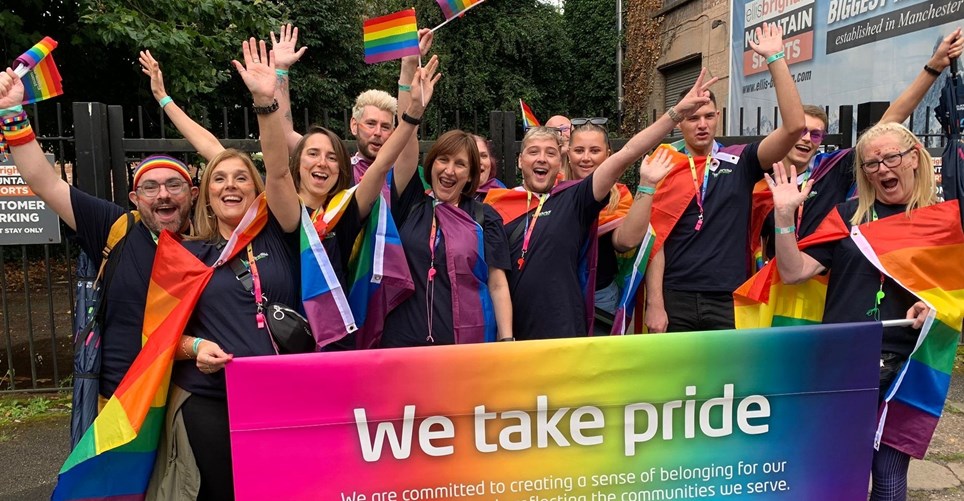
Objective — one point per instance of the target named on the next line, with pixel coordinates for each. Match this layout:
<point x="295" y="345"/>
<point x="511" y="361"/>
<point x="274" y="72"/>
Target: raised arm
<point x="36" y="171"/>
<point x="206" y="144"/>
<point x="285" y="56"/>
<point x="778" y="143"/>
<point x="259" y="76"/>
<point x="794" y="266"/>
<point x="407" y="163"/>
<point x="423" y="86"/>
<point x="652" y="170"/>
<point x="609" y="171"/>
<point x="904" y="105"/>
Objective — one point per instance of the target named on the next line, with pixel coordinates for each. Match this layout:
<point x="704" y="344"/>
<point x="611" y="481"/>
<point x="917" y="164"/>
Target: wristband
<point x="932" y="71"/>
<point x="16" y="129"/>
<point x="410" y="119"/>
<point x="646" y="190"/>
<point x="265" y="110"/>
<point x="166" y="100"/>
<point x="507" y="339"/>
<point x="772" y="59"/>
<point x="404" y="88"/>
<point x="281" y="73"/>
<point x="674" y="115"/>
<point x="13" y="110"/>
<point x="197" y="342"/>
<point x="785" y="230"/>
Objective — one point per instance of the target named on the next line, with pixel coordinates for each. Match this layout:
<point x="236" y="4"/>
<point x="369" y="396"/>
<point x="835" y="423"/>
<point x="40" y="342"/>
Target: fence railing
<point x="95" y="147"/>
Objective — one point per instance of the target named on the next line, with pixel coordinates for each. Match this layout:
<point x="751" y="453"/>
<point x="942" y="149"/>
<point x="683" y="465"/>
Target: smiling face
<point x="540" y="162"/>
<point x="231" y="189"/>
<point x="485" y="161"/>
<point x="699" y="129"/>
<point x="165" y="211"/>
<point x="372" y="130"/>
<point x="805" y="149"/>
<point x="318" y="169"/>
<point x="587" y="151"/>
<point x="892" y="185"/>
<point x="450" y="174"/>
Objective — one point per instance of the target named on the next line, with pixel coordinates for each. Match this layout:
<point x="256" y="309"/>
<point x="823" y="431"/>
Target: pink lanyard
<point x="433" y="239"/>
<point x="700" y="194"/>
<point x="531" y="225"/>
<point x="258" y="299"/>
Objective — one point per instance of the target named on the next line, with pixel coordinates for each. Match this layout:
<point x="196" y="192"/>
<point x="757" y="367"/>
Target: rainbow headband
<point x="161" y="162"/>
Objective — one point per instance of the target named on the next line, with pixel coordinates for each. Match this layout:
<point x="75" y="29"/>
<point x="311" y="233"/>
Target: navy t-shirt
<point x="827" y="192"/>
<point x="126" y="295"/>
<point x="606" y="264"/>
<point x="407" y="324"/>
<point x="547" y="298"/>
<point x="854" y="283"/>
<point x="225" y="312"/>
<point x="716" y="258"/>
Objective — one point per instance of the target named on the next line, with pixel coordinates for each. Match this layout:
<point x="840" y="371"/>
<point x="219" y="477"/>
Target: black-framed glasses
<point x="892" y="161"/>
<point x="151" y="189"/>
<point x="594" y="120"/>
<point x="816" y="135"/>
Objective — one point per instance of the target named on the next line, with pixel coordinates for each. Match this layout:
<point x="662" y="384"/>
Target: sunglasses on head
<point x="816" y="135"/>
<point x="594" y="120"/>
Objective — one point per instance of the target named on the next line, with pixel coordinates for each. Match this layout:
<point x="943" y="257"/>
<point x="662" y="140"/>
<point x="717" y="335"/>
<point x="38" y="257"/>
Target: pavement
<point x="31" y="454"/>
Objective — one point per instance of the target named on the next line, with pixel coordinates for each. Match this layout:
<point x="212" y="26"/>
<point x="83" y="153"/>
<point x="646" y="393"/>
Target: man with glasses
<point x="564" y="126"/>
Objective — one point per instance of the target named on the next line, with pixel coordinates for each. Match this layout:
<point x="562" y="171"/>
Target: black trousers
<point x="206" y="424"/>
<point x="698" y="311"/>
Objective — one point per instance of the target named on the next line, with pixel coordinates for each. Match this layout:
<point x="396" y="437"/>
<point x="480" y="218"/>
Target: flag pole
<point x="470" y="7"/>
<point x="898" y="323"/>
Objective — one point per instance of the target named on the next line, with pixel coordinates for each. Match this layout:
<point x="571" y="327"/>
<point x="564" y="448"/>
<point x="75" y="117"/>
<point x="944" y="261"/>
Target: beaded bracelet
<point x="16" y="129"/>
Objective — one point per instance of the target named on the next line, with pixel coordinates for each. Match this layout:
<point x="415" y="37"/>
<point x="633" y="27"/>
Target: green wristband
<point x="281" y="73"/>
<point x="646" y="190"/>
<point x="404" y="88"/>
<point x="166" y="100"/>
<point x="785" y="230"/>
<point x="197" y="342"/>
<point x="13" y="110"/>
<point x="772" y="59"/>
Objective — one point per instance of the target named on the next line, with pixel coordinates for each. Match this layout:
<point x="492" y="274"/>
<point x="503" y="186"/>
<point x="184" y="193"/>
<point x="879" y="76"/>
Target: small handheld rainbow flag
<point x="528" y="117"/>
<point x="391" y="37"/>
<point x="36" y="67"/>
<point x="453" y="8"/>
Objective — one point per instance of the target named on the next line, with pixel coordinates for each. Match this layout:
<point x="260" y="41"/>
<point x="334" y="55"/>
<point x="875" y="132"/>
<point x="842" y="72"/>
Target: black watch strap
<point x="410" y="119"/>
<point x="264" y="110"/>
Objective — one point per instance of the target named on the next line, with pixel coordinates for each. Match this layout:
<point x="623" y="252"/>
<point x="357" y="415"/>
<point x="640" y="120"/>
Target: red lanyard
<point x="700" y="193"/>
<point x="531" y="225"/>
<point x="433" y="239"/>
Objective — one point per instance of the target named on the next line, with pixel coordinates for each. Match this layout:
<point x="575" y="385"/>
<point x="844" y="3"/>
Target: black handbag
<point x="290" y="332"/>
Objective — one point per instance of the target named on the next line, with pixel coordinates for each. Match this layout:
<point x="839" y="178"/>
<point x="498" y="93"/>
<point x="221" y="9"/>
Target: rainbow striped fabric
<point x="922" y="254"/>
<point x="322" y="296"/>
<point x="381" y="279"/>
<point x="529" y="119"/>
<point x="452" y="8"/>
<point x="391" y="37"/>
<point x="43" y="81"/>
<point x="631" y="269"/>
<point x="115" y="457"/>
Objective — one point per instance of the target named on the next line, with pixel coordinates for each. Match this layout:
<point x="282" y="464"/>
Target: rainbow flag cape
<point x="529" y="119"/>
<point x="322" y="296"/>
<point x="115" y="457"/>
<point x="631" y="269"/>
<point x="453" y="8"/>
<point x="36" y="67"/>
<point x="391" y="37"/>
<point x="609" y="221"/>
<point x="922" y="254"/>
<point x="381" y="279"/>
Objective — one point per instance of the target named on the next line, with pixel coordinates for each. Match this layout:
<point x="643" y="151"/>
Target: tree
<point x="591" y="26"/>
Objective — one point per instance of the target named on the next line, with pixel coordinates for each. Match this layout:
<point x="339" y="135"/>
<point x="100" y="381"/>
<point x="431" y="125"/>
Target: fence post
<point x="502" y="133"/>
<point x="847" y="124"/>
<point x="870" y="113"/>
<point x="90" y="133"/>
<point x="118" y="157"/>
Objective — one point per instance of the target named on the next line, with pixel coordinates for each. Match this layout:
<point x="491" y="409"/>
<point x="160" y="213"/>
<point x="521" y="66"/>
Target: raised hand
<point x="425" y="38"/>
<point x="285" y="55"/>
<point x="11" y="89"/>
<point x="654" y="168"/>
<point x="697" y="97"/>
<point x="423" y="86"/>
<point x="258" y="70"/>
<point x="950" y="48"/>
<point x="151" y="68"/>
<point x="786" y="195"/>
<point x="769" y="39"/>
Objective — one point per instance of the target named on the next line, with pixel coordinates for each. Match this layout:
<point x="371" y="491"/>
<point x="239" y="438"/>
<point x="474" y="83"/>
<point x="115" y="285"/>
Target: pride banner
<point x="785" y="412"/>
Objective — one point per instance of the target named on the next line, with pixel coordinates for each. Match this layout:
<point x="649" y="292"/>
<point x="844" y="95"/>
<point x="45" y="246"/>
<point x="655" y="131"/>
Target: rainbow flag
<point x="115" y="457"/>
<point x="381" y="279"/>
<point x="922" y="254"/>
<point x="391" y="37"/>
<point x="452" y="8"/>
<point x="41" y="79"/>
<point x="322" y="295"/>
<point x="528" y="117"/>
<point x="631" y="269"/>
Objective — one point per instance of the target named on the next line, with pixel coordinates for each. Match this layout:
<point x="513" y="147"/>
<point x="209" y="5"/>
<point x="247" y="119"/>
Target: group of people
<point x="486" y="263"/>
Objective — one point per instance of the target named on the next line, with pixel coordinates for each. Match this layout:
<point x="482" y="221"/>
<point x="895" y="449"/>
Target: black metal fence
<point x="95" y="147"/>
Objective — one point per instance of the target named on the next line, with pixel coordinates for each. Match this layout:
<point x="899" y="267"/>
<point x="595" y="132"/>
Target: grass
<point x="959" y="361"/>
<point x="17" y="409"/>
